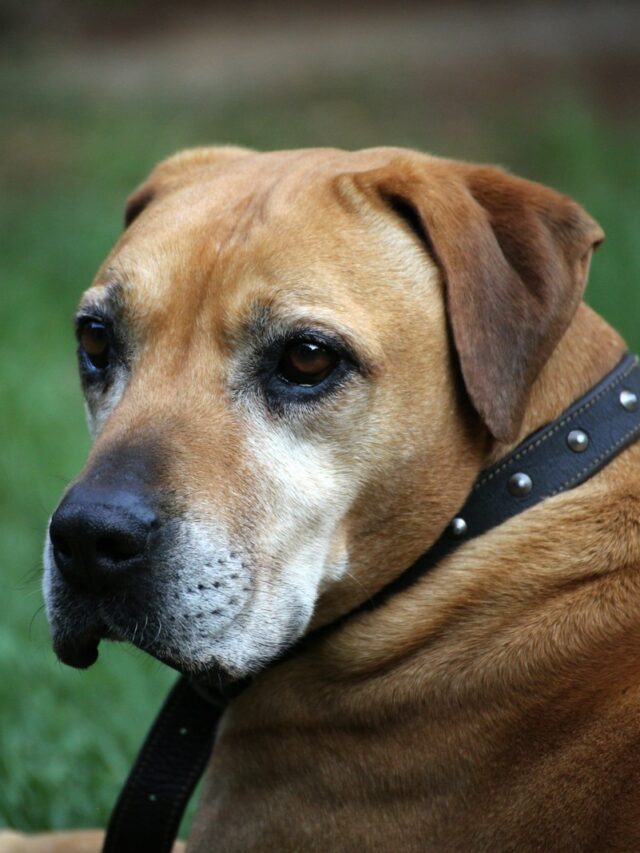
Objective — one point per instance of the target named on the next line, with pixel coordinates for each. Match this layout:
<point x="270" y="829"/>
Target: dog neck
<point x="520" y="646"/>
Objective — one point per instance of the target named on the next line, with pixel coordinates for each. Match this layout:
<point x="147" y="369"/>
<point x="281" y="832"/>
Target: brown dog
<point x="296" y="364"/>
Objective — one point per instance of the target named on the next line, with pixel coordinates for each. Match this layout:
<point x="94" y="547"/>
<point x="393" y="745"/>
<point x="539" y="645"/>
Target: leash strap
<point x="173" y="757"/>
<point x="556" y="458"/>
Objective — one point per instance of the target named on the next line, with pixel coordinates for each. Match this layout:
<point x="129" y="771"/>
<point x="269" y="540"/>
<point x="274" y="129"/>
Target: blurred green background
<point x="91" y="96"/>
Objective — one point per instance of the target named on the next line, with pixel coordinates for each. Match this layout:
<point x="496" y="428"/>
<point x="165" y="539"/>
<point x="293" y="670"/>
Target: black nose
<point x="100" y="537"/>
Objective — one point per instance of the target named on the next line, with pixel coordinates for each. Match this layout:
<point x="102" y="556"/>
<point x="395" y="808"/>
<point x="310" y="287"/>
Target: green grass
<point x="67" y="738"/>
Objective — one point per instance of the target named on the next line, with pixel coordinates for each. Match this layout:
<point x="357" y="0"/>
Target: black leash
<point x="556" y="458"/>
<point x="149" y="809"/>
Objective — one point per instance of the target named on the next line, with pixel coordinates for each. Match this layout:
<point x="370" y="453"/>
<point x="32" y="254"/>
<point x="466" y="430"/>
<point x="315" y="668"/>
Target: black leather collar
<point x="556" y="458"/>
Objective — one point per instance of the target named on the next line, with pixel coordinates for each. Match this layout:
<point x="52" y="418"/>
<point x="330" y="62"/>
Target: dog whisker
<point x="158" y="632"/>
<point x="33" y="618"/>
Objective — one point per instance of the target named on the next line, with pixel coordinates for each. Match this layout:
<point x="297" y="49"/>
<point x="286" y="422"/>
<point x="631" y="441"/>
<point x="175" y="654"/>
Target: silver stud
<point x="628" y="400"/>
<point x="152" y="798"/>
<point x="578" y="440"/>
<point x="458" y="528"/>
<point x="519" y="484"/>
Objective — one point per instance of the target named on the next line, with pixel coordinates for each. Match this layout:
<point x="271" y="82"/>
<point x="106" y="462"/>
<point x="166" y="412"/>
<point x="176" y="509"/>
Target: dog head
<point x="294" y="364"/>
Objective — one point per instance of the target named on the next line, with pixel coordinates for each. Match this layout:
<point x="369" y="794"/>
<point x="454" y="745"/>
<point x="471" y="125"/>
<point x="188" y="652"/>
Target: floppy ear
<point x="178" y="169"/>
<point x="514" y="257"/>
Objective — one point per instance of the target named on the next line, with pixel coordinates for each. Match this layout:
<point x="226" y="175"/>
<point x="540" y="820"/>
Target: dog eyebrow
<point x="105" y="300"/>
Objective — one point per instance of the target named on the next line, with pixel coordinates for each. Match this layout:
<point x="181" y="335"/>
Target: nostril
<point x="119" y="547"/>
<point x="60" y="545"/>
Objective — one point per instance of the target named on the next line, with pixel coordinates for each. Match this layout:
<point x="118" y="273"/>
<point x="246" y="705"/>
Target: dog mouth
<point x="199" y="618"/>
<point x="80" y="649"/>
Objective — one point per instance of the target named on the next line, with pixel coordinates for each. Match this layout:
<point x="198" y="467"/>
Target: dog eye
<point x="306" y="362"/>
<point x="93" y="338"/>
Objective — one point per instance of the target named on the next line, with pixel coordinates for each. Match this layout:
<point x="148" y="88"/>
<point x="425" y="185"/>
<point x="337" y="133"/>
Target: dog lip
<point x="79" y="652"/>
<point x="79" y="648"/>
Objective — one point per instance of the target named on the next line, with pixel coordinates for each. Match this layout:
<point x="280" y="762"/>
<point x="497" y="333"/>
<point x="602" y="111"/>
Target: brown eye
<point x="307" y="363"/>
<point x="94" y="343"/>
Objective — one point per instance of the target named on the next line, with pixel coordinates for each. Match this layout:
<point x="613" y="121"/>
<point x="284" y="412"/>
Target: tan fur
<point x="495" y="705"/>
<point x="80" y="841"/>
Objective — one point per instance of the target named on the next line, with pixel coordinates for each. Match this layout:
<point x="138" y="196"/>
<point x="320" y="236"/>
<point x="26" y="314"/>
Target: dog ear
<point x="175" y="170"/>
<point x="514" y="257"/>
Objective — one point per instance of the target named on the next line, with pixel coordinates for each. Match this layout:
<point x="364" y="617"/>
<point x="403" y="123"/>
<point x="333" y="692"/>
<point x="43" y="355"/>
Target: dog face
<point x="294" y="364"/>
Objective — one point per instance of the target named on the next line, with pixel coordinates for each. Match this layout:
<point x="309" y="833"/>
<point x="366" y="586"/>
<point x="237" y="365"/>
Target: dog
<point x="295" y="366"/>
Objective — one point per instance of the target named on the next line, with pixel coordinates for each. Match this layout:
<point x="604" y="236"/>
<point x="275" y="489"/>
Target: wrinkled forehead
<point x="240" y="244"/>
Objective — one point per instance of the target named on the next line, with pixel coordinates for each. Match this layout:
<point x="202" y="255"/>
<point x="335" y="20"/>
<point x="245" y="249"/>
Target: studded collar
<point x="560" y="455"/>
<point x="556" y="458"/>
